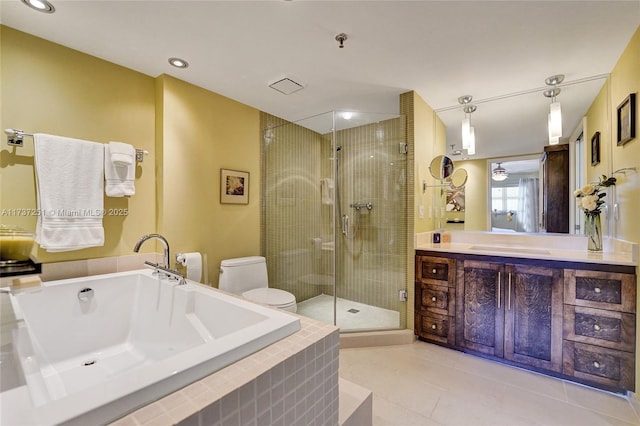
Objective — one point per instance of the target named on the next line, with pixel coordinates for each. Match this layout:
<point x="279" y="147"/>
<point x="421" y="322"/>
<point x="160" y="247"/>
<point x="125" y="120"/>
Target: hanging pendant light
<point x="499" y="173"/>
<point x="467" y="131"/>
<point x="554" y="119"/>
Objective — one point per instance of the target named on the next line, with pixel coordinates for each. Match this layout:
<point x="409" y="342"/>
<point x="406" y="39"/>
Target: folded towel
<point x="69" y="188"/>
<point x="122" y="154"/>
<point x="326" y="190"/>
<point x="119" y="177"/>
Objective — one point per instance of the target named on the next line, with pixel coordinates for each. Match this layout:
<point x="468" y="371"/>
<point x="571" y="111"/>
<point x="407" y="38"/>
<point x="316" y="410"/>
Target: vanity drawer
<point x="612" y="329"/>
<point x="603" y="290"/>
<point x="598" y="364"/>
<point x="437" y="299"/>
<point x="437" y="328"/>
<point x="435" y="270"/>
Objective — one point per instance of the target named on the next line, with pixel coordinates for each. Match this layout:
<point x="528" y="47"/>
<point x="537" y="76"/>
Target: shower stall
<point x="334" y="225"/>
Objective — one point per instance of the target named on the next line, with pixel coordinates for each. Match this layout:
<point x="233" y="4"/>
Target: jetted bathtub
<point x="90" y="356"/>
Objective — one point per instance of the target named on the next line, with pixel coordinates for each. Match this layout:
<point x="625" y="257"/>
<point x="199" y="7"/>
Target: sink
<point x="510" y="249"/>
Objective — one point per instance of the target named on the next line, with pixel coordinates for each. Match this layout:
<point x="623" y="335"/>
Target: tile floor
<point x="427" y="385"/>
<point x="351" y="316"/>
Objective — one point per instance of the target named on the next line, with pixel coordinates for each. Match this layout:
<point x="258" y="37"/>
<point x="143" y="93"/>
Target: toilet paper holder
<point x="181" y="259"/>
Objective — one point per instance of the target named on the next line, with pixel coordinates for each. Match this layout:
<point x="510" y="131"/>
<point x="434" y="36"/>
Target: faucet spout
<point x="164" y="242"/>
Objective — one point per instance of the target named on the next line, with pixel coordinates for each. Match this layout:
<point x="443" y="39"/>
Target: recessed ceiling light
<point x="40" y="5"/>
<point x="347" y="115"/>
<point x="178" y="63"/>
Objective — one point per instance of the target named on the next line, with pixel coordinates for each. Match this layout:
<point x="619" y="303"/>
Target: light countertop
<point x="569" y="248"/>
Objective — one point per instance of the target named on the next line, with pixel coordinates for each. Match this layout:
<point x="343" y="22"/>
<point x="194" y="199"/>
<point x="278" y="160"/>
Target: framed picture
<point x="234" y="187"/>
<point x="595" y="149"/>
<point x="627" y="120"/>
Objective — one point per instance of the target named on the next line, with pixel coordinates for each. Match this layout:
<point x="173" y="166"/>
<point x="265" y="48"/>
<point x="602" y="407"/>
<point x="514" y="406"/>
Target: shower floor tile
<point x="351" y="316"/>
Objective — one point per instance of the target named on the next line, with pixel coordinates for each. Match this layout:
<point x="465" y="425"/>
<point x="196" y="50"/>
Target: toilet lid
<point x="270" y="296"/>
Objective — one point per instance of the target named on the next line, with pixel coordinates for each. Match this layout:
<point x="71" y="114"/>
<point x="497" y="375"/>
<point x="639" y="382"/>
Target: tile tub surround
<point x="570" y="248"/>
<point x="292" y="382"/>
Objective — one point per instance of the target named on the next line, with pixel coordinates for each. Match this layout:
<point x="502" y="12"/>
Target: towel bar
<point x="15" y="137"/>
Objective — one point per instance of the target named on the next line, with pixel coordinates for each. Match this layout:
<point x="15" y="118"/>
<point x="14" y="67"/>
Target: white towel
<point x="119" y="177"/>
<point x="122" y="154"/>
<point x="69" y="187"/>
<point x="326" y="190"/>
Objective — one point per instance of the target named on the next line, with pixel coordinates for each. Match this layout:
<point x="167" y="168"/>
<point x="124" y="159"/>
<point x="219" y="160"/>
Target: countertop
<point x="569" y="248"/>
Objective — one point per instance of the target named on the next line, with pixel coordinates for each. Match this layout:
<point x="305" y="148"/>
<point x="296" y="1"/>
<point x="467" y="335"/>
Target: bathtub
<point x="89" y="357"/>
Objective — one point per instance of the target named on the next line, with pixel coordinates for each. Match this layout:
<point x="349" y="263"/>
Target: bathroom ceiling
<point x="440" y="49"/>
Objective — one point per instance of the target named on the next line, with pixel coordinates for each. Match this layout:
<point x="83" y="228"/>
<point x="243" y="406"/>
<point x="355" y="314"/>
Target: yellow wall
<point x="430" y="136"/>
<point x="625" y="79"/>
<point x="476" y="197"/>
<point x="49" y="88"/>
<point x="200" y="133"/>
<point x="190" y="132"/>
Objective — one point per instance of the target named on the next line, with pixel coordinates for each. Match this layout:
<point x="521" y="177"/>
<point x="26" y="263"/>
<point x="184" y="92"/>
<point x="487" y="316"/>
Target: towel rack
<point x="15" y="138"/>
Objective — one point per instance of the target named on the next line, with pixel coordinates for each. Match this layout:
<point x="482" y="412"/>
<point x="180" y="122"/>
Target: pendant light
<point x="468" y="132"/>
<point x="499" y="173"/>
<point x="554" y="119"/>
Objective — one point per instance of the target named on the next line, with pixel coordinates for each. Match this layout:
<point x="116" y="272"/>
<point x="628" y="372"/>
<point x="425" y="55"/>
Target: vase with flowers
<point x="590" y="199"/>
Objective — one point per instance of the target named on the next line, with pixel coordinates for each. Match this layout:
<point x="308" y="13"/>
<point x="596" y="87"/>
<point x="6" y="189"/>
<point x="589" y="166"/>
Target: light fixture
<point x="468" y="132"/>
<point x="499" y="173"/>
<point x="554" y="119"/>
<point x="347" y="115"/>
<point x="178" y="63"/>
<point x="40" y="5"/>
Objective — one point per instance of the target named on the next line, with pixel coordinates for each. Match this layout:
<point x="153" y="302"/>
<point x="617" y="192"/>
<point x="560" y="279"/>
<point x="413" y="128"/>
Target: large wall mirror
<point x="511" y="133"/>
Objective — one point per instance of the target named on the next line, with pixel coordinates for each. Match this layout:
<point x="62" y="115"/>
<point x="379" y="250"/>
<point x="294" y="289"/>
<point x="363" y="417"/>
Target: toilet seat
<point x="272" y="297"/>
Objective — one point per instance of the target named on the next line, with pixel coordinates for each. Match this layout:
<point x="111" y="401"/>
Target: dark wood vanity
<point x="572" y="320"/>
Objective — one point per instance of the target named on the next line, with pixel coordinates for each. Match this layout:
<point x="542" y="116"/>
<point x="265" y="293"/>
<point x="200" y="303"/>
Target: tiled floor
<point x="427" y="385"/>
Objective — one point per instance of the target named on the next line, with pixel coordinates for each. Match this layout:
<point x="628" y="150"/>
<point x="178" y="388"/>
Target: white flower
<point x="588" y="189"/>
<point x="589" y="202"/>
<point x="577" y="193"/>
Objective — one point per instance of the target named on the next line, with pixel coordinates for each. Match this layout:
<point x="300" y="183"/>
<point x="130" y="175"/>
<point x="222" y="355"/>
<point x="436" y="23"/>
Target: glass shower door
<point x="334" y="216"/>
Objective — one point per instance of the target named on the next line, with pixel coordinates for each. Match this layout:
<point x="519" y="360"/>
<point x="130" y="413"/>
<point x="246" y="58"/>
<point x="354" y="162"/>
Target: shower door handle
<point x="345" y="224"/>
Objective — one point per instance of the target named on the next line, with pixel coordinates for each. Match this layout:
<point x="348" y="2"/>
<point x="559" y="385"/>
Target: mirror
<point x="514" y="203"/>
<point x="505" y="132"/>
<point x="458" y="178"/>
<point x="441" y="167"/>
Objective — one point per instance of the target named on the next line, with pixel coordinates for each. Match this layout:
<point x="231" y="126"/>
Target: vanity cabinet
<point x="511" y="311"/>
<point x="600" y="327"/>
<point x="568" y="319"/>
<point x="435" y="299"/>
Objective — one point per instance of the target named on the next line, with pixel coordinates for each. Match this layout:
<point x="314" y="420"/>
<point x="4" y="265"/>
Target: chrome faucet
<point x="164" y="242"/>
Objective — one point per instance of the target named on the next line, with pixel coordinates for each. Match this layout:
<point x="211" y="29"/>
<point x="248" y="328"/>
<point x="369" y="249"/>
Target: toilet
<point x="247" y="277"/>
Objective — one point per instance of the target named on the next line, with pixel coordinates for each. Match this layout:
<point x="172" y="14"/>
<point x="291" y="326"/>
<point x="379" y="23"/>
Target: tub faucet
<point x="164" y="242"/>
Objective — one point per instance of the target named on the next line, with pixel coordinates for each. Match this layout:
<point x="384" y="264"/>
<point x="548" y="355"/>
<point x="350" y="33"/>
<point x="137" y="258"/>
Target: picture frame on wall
<point x="626" y="119"/>
<point x="234" y="187"/>
<point x="595" y="149"/>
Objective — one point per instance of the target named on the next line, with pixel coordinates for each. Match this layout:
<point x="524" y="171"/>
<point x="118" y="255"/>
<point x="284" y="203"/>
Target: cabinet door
<point x="480" y="307"/>
<point x="533" y="318"/>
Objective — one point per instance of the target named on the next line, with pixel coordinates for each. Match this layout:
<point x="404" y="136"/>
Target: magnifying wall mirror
<point x="458" y="178"/>
<point x="441" y="167"/>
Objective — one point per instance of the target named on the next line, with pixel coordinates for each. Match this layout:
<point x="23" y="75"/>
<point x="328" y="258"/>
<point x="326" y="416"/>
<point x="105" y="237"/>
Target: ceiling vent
<point x="286" y="86"/>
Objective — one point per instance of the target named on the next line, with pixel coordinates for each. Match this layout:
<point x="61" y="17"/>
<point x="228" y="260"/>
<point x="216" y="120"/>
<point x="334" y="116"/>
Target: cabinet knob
<point x="435" y="271"/>
<point x="433" y="299"/>
<point x="597" y="327"/>
<point x="596" y="364"/>
<point x="597" y="290"/>
<point x="433" y="327"/>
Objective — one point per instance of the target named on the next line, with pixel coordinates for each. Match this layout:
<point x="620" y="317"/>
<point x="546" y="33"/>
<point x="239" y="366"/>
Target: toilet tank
<point x="243" y="274"/>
